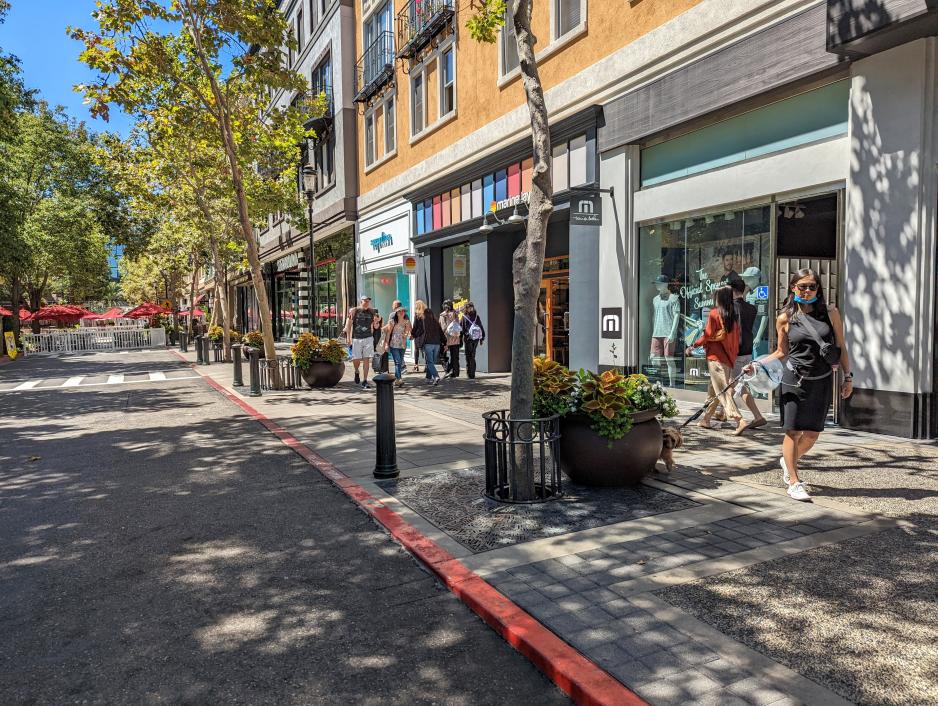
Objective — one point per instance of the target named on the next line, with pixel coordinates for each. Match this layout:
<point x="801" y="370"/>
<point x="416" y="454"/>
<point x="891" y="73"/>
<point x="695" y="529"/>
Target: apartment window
<point x="568" y="15"/>
<point x="378" y="22"/>
<point x="322" y="7"/>
<point x="369" y="139"/>
<point x="417" y="104"/>
<point x="447" y="70"/>
<point x="390" y="126"/>
<point x="324" y="156"/>
<point x="509" y="46"/>
<point x="312" y="17"/>
<point x="299" y="32"/>
<point x="321" y="79"/>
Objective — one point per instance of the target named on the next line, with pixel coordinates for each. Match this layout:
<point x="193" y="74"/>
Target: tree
<point x="218" y="59"/>
<point x="528" y="258"/>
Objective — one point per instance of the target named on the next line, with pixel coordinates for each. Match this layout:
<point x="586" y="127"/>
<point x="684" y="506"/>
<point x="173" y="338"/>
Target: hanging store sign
<point x="409" y="264"/>
<point x="586" y="209"/>
<point x="288" y="262"/>
<point x="611" y="322"/>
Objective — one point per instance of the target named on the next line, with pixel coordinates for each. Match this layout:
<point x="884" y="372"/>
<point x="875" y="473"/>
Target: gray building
<point x="325" y="33"/>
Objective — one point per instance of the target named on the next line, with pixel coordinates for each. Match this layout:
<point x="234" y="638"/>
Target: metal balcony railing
<point x="419" y="22"/>
<point x="375" y="67"/>
<point x="318" y="119"/>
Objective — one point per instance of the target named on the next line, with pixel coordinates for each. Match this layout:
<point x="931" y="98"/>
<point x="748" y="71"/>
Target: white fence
<point x="109" y="339"/>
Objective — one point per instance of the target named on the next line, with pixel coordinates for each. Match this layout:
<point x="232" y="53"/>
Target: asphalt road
<point x="158" y="547"/>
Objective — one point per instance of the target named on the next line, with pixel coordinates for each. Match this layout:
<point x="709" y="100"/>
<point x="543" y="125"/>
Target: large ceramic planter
<point x="322" y="373"/>
<point x="589" y="459"/>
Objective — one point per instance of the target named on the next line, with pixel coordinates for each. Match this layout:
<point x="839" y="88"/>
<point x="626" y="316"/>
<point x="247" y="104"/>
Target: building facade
<point x="693" y="141"/>
<point x="302" y="274"/>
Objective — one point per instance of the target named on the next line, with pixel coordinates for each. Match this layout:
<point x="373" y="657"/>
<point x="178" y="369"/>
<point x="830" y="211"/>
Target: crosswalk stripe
<point x="73" y="382"/>
<point x="157" y="376"/>
<point x="115" y="379"/>
<point x="28" y="385"/>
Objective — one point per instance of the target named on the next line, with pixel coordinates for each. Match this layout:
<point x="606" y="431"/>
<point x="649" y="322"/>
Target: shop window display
<point x="681" y="263"/>
<point x="456" y="272"/>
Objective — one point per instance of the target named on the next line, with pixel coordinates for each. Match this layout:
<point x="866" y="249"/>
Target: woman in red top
<point x="721" y="341"/>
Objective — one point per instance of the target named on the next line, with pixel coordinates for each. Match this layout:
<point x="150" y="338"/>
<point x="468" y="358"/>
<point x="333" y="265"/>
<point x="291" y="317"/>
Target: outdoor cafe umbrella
<point x="145" y="311"/>
<point x="59" y="312"/>
<point x="195" y="312"/>
<point x="5" y="312"/>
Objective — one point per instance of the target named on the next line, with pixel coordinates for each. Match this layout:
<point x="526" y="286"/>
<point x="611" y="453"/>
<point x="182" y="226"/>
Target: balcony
<point x="375" y="67"/>
<point x="318" y="119"/>
<point x="419" y="22"/>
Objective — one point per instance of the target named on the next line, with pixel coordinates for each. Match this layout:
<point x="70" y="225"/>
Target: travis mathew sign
<point x="586" y="209"/>
<point x="385" y="240"/>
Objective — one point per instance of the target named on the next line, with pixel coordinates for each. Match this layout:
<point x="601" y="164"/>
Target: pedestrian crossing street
<point x="96" y="380"/>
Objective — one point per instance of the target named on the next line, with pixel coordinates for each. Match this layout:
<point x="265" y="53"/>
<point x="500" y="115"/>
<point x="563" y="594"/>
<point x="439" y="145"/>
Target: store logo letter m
<point x="585" y="206"/>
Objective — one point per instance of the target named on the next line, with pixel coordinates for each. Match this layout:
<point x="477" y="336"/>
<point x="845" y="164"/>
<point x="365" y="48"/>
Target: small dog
<point x="672" y="439"/>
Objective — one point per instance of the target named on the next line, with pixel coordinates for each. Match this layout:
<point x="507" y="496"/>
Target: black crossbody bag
<point x="830" y="352"/>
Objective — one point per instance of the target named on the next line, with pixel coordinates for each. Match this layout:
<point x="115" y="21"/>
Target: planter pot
<point x="322" y="373"/>
<point x="589" y="459"/>
<point x="245" y="348"/>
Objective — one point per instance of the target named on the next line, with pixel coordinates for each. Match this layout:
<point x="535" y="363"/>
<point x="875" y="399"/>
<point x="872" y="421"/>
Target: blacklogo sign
<point x="586" y="209"/>
<point x="610" y="323"/>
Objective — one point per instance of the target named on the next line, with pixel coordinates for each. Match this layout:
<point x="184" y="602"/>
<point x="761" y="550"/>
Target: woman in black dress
<point x="804" y="325"/>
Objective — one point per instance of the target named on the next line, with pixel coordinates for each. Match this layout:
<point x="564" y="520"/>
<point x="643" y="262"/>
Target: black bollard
<point x="183" y="342"/>
<point x="386" y="461"/>
<point x="255" y="357"/>
<point x="236" y="379"/>
<point x="206" y="355"/>
<point x="199" y="351"/>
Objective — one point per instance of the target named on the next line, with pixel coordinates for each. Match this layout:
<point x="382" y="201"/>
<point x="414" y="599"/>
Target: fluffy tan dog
<point x="671" y="439"/>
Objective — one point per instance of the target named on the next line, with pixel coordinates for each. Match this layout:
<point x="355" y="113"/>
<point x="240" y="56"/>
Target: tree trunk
<point x="35" y="303"/>
<point x="221" y="300"/>
<point x="247" y="229"/>
<point x="195" y="276"/>
<point x="16" y="292"/>
<point x="528" y="258"/>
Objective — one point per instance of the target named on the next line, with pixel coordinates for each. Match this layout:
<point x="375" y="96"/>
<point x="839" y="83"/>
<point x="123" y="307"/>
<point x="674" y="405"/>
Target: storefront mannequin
<point x="752" y="276"/>
<point x="664" y="334"/>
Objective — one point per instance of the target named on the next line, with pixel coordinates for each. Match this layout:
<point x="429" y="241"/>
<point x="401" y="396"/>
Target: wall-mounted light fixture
<point x="514" y="219"/>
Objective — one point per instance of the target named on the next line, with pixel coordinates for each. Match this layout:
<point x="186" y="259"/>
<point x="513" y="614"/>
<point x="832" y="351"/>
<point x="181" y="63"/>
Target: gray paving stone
<point x="804" y="529"/>
<point x="580" y="584"/>
<point x="721" y="698"/>
<point x="695" y="653"/>
<point x="526" y="598"/>
<point x="696" y="542"/>
<point x="637" y="645"/>
<point x="731" y="523"/>
<point x="662" y="664"/>
<point x="619" y="608"/>
<point x="592" y="637"/>
<point x="604" y="578"/>
<point x="498" y="577"/>
<point x="732" y="547"/>
<point x="524" y="572"/>
<point x="664" y="636"/>
<point x="540" y="581"/>
<point x="669" y="562"/>
<point x="558" y="571"/>
<point x="542" y="611"/>
<point x="663" y="693"/>
<point x="609" y="655"/>
<point x="756" y="692"/>
<point x="512" y="586"/>
<point x="627" y="573"/>
<point x="630" y="673"/>
<point x="571" y="560"/>
<point x="555" y="590"/>
<point x="786" y="534"/>
<point x="593" y="616"/>
<point x="573" y="603"/>
<point x="564" y="624"/>
<point x="712" y="552"/>
<point x="592" y="554"/>
<point x="596" y="565"/>
<point x="751" y="542"/>
<point x="598" y="596"/>
<point x="730" y="534"/>
<point x="723" y="671"/>
<point x="694" y="683"/>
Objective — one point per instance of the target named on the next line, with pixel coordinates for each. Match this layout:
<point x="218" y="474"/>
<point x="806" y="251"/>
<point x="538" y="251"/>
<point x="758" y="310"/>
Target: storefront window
<point x="287" y="305"/>
<point x="456" y="272"/>
<point x="681" y="263"/>
<point x="334" y="282"/>
<point x="385" y="286"/>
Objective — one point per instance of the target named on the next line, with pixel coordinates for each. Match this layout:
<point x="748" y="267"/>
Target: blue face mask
<point x="806" y="301"/>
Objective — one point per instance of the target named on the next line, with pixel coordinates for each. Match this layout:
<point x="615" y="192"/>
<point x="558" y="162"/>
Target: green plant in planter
<point x="554" y="386"/>
<point x="253" y="339"/>
<point x="610" y="400"/>
<point x="216" y="334"/>
<point x="309" y="348"/>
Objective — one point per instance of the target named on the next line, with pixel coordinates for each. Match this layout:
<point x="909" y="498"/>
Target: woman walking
<point x="432" y="335"/>
<point x="417" y="332"/>
<point x="720" y="339"/>
<point x="811" y="343"/>
<point x="397" y="332"/>
<point x="449" y="322"/>
<point x="473" y="335"/>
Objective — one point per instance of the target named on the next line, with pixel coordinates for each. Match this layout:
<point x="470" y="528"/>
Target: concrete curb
<point x="584" y="681"/>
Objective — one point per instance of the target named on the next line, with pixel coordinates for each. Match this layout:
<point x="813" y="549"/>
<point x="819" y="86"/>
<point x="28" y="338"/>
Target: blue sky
<point x="35" y="32"/>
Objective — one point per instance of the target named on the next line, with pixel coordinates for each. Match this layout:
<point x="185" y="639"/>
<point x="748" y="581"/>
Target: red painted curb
<point x="584" y="681"/>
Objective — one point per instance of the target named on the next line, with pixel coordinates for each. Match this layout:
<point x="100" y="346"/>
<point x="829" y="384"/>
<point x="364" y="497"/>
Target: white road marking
<point x="115" y="379"/>
<point x="73" y="382"/>
<point x="32" y="383"/>
<point x="154" y="377"/>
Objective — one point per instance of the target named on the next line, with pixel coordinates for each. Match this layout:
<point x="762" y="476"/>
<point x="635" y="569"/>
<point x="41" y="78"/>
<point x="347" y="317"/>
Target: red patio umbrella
<point x="25" y="314"/>
<point x="145" y="311"/>
<point x="115" y="312"/>
<point x="5" y="312"/>
<point x="59" y="312"/>
<point x="195" y="312"/>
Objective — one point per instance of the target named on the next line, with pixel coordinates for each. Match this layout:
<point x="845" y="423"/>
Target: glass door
<point x="552" y="332"/>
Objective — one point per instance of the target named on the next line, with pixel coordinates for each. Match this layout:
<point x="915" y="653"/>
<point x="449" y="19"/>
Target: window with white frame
<point x="324" y="158"/>
<point x="418" y="103"/>
<point x="369" y="139"/>
<point x="508" y="46"/>
<point x="447" y="71"/>
<point x="390" y="125"/>
<point x="568" y="16"/>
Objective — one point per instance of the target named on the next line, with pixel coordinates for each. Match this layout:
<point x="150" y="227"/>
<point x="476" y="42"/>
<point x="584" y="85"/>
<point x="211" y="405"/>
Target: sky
<point x="34" y="31"/>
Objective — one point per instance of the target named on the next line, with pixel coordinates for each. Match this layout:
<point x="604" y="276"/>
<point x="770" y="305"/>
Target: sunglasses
<point x="806" y="287"/>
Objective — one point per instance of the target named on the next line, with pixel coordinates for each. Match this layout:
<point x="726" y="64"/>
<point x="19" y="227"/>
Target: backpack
<point x="475" y="331"/>
<point x="453" y="328"/>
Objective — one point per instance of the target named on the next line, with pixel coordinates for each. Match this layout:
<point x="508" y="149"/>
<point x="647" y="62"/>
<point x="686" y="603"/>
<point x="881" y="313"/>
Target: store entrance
<point x="552" y="335"/>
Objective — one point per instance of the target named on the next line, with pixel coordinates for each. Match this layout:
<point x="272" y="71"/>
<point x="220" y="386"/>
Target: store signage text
<point x="385" y="240"/>
<point x="611" y="323"/>
<point x="524" y="197"/>
<point x="288" y="262"/>
<point x="409" y="265"/>
<point x="762" y="292"/>
<point x="586" y="209"/>
<point x="701" y="293"/>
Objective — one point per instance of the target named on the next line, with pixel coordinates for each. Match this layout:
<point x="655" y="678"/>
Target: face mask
<point x="806" y="301"/>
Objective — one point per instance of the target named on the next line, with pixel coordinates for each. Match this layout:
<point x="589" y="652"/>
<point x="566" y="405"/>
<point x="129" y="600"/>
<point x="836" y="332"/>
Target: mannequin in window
<point x="752" y="276"/>
<point x="664" y="331"/>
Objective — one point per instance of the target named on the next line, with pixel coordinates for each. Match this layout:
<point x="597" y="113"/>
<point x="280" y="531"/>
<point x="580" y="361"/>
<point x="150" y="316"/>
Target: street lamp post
<point x="309" y="186"/>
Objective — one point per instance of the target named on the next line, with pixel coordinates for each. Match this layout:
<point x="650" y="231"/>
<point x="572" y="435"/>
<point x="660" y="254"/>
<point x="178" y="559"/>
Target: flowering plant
<point x="254" y="339"/>
<point x="310" y="348"/>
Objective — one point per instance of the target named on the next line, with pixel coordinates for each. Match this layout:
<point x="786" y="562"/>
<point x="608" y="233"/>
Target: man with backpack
<point x="360" y="326"/>
<point x="473" y="336"/>
<point x="452" y="330"/>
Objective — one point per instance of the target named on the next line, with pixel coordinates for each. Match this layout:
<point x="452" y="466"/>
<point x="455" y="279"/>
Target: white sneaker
<point x="797" y="491"/>
<point x="786" y="476"/>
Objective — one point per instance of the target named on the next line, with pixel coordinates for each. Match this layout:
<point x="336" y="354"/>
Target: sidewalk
<point x="709" y="586"/>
